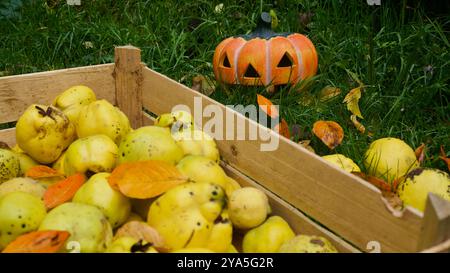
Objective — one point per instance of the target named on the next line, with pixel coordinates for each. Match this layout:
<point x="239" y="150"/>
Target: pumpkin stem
<point x="263" y="27"/>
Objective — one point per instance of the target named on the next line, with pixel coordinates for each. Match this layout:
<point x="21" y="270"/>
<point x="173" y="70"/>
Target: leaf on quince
<point x="145" y="179"/>
<point x="46" y="241"/>
<point x="63" y="191"/>
<point x="42" y="171"/>
<point x="141" y="231"/>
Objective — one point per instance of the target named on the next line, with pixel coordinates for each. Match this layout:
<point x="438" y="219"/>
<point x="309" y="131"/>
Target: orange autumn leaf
<point x="420" y="153"/>
<point x="267" y="106"/>
<point x="42" y="171"/>
<point x="63" y="191"/>
<point x="444" y="157"/>
<point x="330" y="132"/>
<point x="145" y="179"/>
<point x="46" y="241"/>
<point x="377" y="182"/>
<point x="283" y="129"/>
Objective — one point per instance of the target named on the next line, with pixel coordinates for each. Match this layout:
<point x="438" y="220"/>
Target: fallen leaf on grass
<point x="267" y="106"/>
<point x="141" y="231"/>
<point x="352" y="99"/>
<point x="283" y="128"/>
<point x="444" y="157"/>
<point x="203" y="85"/>
<point x="328" y="92"/>
<point x="330" y="132"/>
<point x="145" y="179"/>
<point x="63" y="191"/>
<point x="48" y="241"/>
<point x="42" y="171"/>
<point x="420" y="153"/>
<point x="305" y="144"/>
<point x="354" y="77"/>
<point x="357" y="124"/>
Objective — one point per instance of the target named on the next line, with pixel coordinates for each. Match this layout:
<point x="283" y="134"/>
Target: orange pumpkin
<point x="265" y="57"/>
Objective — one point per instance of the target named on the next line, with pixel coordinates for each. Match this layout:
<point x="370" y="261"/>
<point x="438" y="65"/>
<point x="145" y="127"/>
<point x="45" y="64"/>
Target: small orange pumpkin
<point x="264" y="57"/>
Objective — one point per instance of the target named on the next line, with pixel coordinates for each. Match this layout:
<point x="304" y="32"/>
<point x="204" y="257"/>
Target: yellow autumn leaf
<point x="357" y="124"/>
<point x="352" y="99"/>
<point x="328" y="92"/>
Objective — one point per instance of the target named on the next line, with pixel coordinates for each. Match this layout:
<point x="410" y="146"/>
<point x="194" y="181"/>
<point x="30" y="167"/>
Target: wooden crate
<point x="301" y="185"/>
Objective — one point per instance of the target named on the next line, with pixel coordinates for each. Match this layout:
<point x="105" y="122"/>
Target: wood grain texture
<point x="128" y="76"/>
<point x="344" y="203"/>
<point x="18" y="92"/>
<point x="8" y="136"/>
<point x="436" y="224"/>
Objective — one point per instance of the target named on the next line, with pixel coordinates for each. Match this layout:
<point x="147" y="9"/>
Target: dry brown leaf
<point x="267" y="106"/>
<point x="330" y="132"/>
<point x="47" y="241"/>
<point x="357" y="124"/>
<point x="328" y="92"/>
<point x="141" y="231"/>
<point x="42" y="171"/>
<point x="145" y="179"/>
<point x="352" y="99"/>
<point x="203" y="85"/>
<point x="283" y="129"/>
<point x="393" y="203"/>
<point x="420" y="153"/>
<point x="305" y="144"/>
<point x="444" y="157"/>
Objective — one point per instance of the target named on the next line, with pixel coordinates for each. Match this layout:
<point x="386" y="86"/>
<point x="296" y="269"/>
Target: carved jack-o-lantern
<point x="264" y="57"/>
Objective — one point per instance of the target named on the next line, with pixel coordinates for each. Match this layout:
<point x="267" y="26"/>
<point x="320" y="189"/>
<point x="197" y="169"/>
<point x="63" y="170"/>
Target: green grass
<point x="403" y="55"/>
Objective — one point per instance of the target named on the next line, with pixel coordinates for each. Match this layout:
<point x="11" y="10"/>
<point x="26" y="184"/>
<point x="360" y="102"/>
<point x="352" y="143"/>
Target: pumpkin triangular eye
<point x="285" y="61"/>
<point x="251" y="72"/>
<point x="226" y="62"/>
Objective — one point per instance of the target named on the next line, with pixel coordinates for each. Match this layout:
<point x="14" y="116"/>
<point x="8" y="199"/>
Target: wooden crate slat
<point x="344" y="203"/>
<point x="128" y="75"/>
<point x="8" y="136"/>
<point x="18" y="92"/>
<point x="300" y="223"/>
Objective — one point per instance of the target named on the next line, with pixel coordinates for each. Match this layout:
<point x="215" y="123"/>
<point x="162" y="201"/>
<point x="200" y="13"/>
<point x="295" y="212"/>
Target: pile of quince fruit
<point x="393" y="167"/>
<point x="79" y="141"/>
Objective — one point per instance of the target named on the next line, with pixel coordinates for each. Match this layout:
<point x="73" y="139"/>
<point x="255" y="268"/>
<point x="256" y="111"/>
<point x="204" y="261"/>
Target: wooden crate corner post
<point x="128" y="78"/>
<point x="436" y="222"/>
